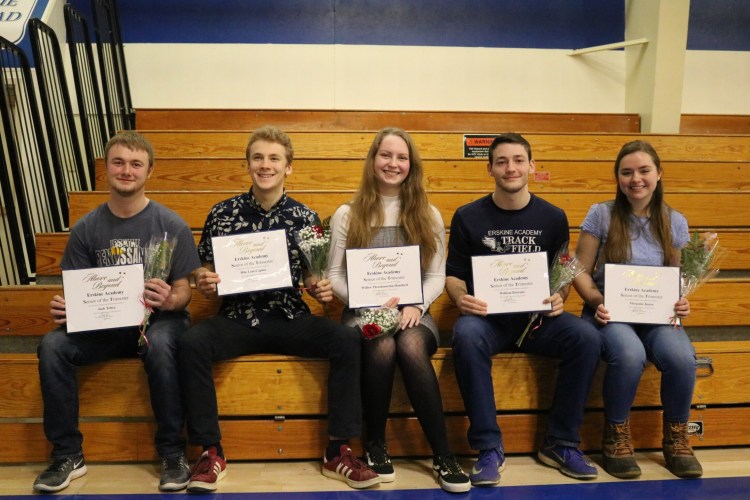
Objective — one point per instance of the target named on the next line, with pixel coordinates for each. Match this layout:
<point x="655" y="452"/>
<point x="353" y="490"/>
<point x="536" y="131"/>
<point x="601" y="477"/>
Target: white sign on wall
<point x="14" y="16"/>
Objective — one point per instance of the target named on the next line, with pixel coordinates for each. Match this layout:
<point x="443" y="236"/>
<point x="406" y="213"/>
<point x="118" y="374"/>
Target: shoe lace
<point x="449" y="464"/>
<point x="353" y="462"/>
<point x="622" y="439"/>
<point x="177" y="462"/>
<point x="378" y="453"/>
<point x="678" y="432"/>
<point x="203" y="465"/>
<point x="573" y="455"/>
<point x="59" y="464"/>
<point x="488" y="458"/>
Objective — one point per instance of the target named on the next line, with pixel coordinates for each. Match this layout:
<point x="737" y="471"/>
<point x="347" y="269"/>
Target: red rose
<point x="318" y="230"/>
<point x="371" y="330"/>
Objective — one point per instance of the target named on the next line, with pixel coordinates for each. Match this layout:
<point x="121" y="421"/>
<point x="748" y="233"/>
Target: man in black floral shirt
<point x="276" y="321"/>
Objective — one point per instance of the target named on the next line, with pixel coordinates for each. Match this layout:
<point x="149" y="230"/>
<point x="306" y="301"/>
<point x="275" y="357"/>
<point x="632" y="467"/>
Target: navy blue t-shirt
<point x="483" y="228"/>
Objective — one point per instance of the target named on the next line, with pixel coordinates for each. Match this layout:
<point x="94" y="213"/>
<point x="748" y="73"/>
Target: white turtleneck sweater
<point x="434" y="277"/>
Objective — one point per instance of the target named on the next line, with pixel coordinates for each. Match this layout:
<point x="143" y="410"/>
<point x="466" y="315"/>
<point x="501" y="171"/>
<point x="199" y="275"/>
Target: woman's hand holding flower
<point x="682" y="308"/>
<point x="322" y="290"/>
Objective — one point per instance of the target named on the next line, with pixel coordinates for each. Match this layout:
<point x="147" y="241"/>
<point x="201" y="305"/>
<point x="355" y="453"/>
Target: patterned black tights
<point x="412" y="349"/>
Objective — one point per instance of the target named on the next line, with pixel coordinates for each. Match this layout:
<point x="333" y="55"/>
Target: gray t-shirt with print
<point x="101" y="239"/>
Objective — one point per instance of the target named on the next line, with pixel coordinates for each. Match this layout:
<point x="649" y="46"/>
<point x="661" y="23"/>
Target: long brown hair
<point x="416" y="217"/>
<point x="617" y="248"/>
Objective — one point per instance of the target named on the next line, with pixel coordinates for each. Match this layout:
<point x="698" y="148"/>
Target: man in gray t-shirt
<point x="115" y="234"/>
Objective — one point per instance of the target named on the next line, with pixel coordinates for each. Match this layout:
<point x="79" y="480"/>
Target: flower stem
<point x="534" y="317"/>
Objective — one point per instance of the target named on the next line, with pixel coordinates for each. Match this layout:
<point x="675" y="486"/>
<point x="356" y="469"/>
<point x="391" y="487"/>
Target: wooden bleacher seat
<point x="248" y="119"/>
<point x="282" y="413"/>
<point x="230" y="174"/>
<point x="327" y="120"/>
<point x="699" y="208"/>
<point x="449" y="145"/>
<point x="714" y="124"/>
<point x="50" y="246"/>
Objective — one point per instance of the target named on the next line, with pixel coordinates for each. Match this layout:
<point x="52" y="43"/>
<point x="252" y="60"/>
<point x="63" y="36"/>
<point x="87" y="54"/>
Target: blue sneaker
<point x="486" y="472"/>
<point x="569" y="460"/>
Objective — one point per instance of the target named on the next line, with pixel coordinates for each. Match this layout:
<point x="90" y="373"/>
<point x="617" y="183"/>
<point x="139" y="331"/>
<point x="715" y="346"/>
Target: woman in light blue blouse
<point x="639" y="228"/>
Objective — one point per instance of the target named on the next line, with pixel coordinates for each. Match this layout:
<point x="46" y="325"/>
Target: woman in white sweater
<point x="390" y="208"/>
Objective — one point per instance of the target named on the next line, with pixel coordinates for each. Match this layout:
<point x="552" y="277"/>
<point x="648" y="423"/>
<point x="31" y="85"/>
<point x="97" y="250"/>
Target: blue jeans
<point x="61" y="353"/>
<point x="219" y="338"/>
<point x="625" y="349"/>
<point x="565" y="337"/>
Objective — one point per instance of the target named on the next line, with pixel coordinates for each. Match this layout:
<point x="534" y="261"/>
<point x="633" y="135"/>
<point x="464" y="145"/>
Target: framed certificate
<point x="512" y="283"/>
<point x="101" y="298"/>
<point x="374" y="275"/>
<point x="251" y="262"/>
<point x="641" y="294"/>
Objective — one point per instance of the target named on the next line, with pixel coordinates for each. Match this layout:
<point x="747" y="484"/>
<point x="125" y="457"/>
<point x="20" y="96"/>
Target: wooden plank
<point x="306" y="438"/>
<point x="50" y="247"/>
<point x="714" y="210"/>
<point x="290" y="386"/>
<point x="714" y="124"/>
<point x="704" y="302"/>
<point x="459" y="121"/>
<point x="49" y="250"/>
<point x="449" y="146"/>
<point x="439" y="175"/>
<point x="26" y="308"/>
<point x="103" y="442"/>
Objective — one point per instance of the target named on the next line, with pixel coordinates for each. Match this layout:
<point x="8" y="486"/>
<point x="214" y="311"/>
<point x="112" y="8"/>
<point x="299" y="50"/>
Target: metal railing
<point x="117" y="102"/>
<point x="90" y="110"/>
<point x="34" y="195"/>
<point x="62" y="132"/>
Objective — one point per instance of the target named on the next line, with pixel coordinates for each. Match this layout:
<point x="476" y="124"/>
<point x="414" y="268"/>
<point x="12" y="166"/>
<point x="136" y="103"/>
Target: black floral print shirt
<point x="243" y="214"/>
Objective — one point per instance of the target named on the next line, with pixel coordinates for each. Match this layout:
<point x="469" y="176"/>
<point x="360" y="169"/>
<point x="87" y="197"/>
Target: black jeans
<point x="219" y="338"/>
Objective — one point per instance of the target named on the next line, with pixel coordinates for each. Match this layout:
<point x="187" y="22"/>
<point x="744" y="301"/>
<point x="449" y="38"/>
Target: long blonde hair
<point x="617" y="248"/>
<point x="416" y="217"/>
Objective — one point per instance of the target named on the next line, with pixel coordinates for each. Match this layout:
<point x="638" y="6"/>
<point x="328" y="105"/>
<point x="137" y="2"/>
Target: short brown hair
<point x="509" y="138"/>
<point x="133" y="141"/>
<point x="270" y="133"/>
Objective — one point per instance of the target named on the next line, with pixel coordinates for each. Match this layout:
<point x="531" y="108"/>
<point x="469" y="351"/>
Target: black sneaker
<point x="450" y="475"/>
<point x="175" y="473"/>
<point x="58" y="475"/>
<point x="379" y="461"/>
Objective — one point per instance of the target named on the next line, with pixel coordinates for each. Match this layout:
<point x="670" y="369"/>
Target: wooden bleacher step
<point x="328" y="120"/>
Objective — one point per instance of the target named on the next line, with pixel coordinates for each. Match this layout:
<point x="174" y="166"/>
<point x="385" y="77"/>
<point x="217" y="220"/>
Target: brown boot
<point x="677" y="451"/>
<point x="619" y="459"/>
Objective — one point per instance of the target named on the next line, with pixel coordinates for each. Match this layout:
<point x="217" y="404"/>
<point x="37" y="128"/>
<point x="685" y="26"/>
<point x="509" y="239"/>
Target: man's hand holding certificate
<point x="103" y="297"/>
<point x="641" y="294"/>
<point x="252" y="262"/>
<point x="511" y="283"/>
<point x="374" y="275"/>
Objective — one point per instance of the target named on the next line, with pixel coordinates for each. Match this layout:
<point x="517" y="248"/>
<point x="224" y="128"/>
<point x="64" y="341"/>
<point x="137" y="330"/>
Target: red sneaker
<point x="348" y="468"/>
<point x="209" y="470"/>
